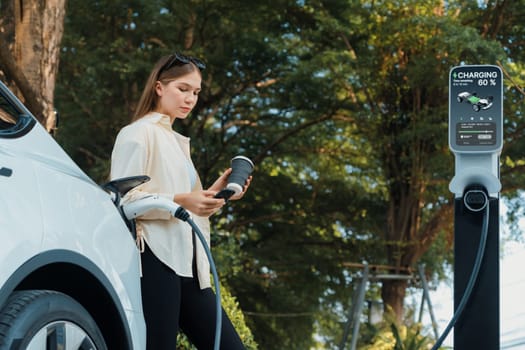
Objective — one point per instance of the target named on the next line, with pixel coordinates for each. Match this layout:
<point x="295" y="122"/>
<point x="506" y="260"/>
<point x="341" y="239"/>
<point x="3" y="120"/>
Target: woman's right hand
<point x="201" y="203"/>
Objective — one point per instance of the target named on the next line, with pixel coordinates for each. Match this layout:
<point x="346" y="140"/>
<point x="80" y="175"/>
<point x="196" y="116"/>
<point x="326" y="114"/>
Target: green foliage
<point x="400" y="338"/>
<point x="392" y="336"/>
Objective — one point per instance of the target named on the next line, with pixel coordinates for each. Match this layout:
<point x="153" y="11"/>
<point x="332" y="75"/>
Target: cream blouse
<point x="149" y="146"/>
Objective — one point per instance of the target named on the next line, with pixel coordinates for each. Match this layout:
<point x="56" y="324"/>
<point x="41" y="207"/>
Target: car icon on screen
<point x="478" y="103"/>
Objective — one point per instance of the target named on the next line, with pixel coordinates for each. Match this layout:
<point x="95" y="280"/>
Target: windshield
<point x="13" y="121"/>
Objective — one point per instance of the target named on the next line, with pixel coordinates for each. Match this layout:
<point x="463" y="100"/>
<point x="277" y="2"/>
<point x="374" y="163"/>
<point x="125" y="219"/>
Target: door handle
<point x="6" y="172"/>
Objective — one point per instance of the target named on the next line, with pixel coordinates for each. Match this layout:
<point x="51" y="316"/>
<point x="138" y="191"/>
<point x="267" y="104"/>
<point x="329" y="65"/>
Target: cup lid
<point x="243" y="157"/>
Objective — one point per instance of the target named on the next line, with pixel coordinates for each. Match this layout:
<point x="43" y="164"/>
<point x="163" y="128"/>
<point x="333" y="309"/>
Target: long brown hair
<point x="149" y="98"/>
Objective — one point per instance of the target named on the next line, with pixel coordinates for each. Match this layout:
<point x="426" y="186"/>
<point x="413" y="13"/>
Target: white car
<point x="69" y="276"/>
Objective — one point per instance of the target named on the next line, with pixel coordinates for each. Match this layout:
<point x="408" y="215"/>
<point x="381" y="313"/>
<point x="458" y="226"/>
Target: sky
<point x="511" y="305"/>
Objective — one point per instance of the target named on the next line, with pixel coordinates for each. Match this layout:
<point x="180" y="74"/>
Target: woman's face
<point x="178" y="97"/>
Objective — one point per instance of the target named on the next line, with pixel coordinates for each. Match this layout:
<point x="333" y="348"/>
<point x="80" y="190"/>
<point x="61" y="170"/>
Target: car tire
<point x="460" y="99"/>
<point x="43" y="319"/>
<point x="476" y="108"/>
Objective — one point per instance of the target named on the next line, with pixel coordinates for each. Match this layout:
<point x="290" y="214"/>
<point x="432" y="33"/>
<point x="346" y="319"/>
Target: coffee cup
<point x="242" y="167"/>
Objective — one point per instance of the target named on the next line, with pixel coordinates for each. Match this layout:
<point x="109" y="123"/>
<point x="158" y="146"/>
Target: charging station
<point x="476" y="139"/>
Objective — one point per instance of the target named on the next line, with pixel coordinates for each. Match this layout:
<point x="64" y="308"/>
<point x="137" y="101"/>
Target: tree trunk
<point x="30" y="36"/>
<point x="393" y="294"/>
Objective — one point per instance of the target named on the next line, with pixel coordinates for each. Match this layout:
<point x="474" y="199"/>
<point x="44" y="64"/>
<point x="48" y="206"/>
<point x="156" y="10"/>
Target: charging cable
<point x="218" y="311"/>
<point x="475" y="200"/>
<point x="145" y="204"/>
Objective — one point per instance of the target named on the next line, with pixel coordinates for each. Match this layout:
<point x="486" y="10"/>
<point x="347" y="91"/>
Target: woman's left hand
<point x="222" y="181"/>
<point x="244" y="189"/>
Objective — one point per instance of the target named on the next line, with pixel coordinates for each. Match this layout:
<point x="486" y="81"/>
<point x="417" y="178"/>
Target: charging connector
<point x="475" y="198"/>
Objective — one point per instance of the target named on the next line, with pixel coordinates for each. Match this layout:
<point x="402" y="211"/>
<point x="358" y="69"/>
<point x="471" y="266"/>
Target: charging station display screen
<point x="475" y="133"/>
<point x="475" y="109"/>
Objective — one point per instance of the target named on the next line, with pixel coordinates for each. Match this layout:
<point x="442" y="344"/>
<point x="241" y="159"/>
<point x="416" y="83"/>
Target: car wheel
<point x="42" y="319"/>
<point x="460" y="99"/>
<point x="476" y="108"/>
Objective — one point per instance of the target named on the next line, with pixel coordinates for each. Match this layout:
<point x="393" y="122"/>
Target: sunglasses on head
<point x="178" y="59"/>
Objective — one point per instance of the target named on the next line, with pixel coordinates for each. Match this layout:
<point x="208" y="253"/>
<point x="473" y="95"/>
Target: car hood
<point x="38" y="146"/>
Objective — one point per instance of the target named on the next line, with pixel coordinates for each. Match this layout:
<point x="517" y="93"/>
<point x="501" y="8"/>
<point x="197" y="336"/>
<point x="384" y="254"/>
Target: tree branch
<point x="507" y="75"/>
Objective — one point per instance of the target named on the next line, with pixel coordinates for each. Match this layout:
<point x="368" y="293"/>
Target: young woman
<point x="176" y="289"/>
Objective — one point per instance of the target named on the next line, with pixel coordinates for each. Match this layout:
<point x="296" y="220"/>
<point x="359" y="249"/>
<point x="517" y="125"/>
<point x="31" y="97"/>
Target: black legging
<point x="170" y="301"/>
